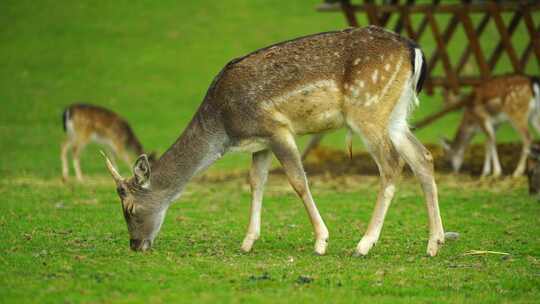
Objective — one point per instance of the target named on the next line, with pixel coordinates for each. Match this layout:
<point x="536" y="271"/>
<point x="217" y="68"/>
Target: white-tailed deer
<point x="84" y="123"/>
<point x="362" y="79"/>
<point x="513" y="98"/>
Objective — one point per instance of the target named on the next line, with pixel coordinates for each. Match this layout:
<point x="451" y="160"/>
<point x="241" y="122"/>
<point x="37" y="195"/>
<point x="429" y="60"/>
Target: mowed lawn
<point x="69" y="244"/>
<point x="152" y="62"/>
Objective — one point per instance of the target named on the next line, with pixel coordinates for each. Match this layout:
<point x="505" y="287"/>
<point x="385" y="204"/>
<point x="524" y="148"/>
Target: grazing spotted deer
<point x="363" y="79"/>
<point x="84" y="123"/>
<point x="513" y="98"/>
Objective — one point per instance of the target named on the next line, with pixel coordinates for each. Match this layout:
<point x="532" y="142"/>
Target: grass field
<point x="152" y="61"/>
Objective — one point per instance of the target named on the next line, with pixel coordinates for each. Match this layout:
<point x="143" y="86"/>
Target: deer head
<point x="455" y="149"/>
<point x="453" y="153"/>
<point x="141" y="207"/>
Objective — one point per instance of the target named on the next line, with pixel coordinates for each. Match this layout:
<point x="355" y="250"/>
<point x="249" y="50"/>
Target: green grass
<point x="152" y="61"/>
<point x="69" y="243"/>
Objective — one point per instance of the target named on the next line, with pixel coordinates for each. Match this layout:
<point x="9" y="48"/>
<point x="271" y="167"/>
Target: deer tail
<point x="419" y="72"/>
<point x="65" y="118"/>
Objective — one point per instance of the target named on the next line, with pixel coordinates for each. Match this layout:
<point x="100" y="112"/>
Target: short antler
<point x="116" y="176"/>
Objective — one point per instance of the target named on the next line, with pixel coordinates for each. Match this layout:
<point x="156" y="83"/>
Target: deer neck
<point x="201" y="144"/>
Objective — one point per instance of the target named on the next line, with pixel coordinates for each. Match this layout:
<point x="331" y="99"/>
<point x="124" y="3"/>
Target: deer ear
<point x="445" y="143"/>
<point x="141" y="170"/>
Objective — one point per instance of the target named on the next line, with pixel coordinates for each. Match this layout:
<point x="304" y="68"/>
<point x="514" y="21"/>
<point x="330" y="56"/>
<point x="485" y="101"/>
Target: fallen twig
<point x="481" y="252"/>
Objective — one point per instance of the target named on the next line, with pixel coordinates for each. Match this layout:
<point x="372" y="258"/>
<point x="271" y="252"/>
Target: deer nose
<point x="139" y="245"/>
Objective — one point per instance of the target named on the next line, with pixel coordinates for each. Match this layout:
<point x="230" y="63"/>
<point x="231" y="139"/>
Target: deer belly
<point x="313" y="108"/>
<point x="102" y="140"/>
<point x="500" y="118"/>
<point x="251" y="145"/>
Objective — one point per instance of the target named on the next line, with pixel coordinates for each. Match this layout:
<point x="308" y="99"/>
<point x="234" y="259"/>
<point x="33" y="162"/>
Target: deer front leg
<point x="486" y="169"/>
<point x="112" y="156"/>
<point x="257" y="180"/>
<point x="491" y="144"/>
<point x="123" y="154"/>
<point x="63" y="155"/>
<point x="390" y="167"/>
<point x="284" y="147"/>
<point x="526" y="139"/>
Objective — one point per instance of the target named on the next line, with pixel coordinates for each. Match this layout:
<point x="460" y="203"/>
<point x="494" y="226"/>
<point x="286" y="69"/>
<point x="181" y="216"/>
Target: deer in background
<point x="513" y="98"/>
<point x="363" y="79"/>
<point x="84" y="123"/>
<point x="533" y="170"/>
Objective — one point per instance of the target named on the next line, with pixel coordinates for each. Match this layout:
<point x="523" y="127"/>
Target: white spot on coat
<point x="374" y="76"/>
<point x="354" y="92"/>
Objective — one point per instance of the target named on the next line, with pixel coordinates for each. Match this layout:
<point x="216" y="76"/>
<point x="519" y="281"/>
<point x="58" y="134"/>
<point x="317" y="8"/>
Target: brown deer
<point x="513" y="98"/>
<point x="363" y="79"/>
<point x="84" y="123"/>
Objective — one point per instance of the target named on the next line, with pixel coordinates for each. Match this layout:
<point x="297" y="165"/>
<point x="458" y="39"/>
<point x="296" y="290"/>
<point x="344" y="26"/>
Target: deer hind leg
<point x="257" y="180"/>
<point x="76" y="150"/>
<point x="286" y="151"/>
<point x="66" y="145"/>
<point x="390" y="166"/>
<point x="421" y="163"/>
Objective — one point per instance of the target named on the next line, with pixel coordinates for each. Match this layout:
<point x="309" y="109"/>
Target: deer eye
<point x="121" y="192"/>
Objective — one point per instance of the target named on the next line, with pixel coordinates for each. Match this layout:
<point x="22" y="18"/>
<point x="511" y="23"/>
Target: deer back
<point x="90" y="122"/>
<point x="308" y="84"/>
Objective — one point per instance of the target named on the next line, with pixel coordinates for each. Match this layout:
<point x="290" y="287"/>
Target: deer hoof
<point x="247" y="244"/>
<point x="517" y="175"/>
<point x="320" y="246"/>
<point x="364" y="246"/>
<point x="433" y="245"/>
